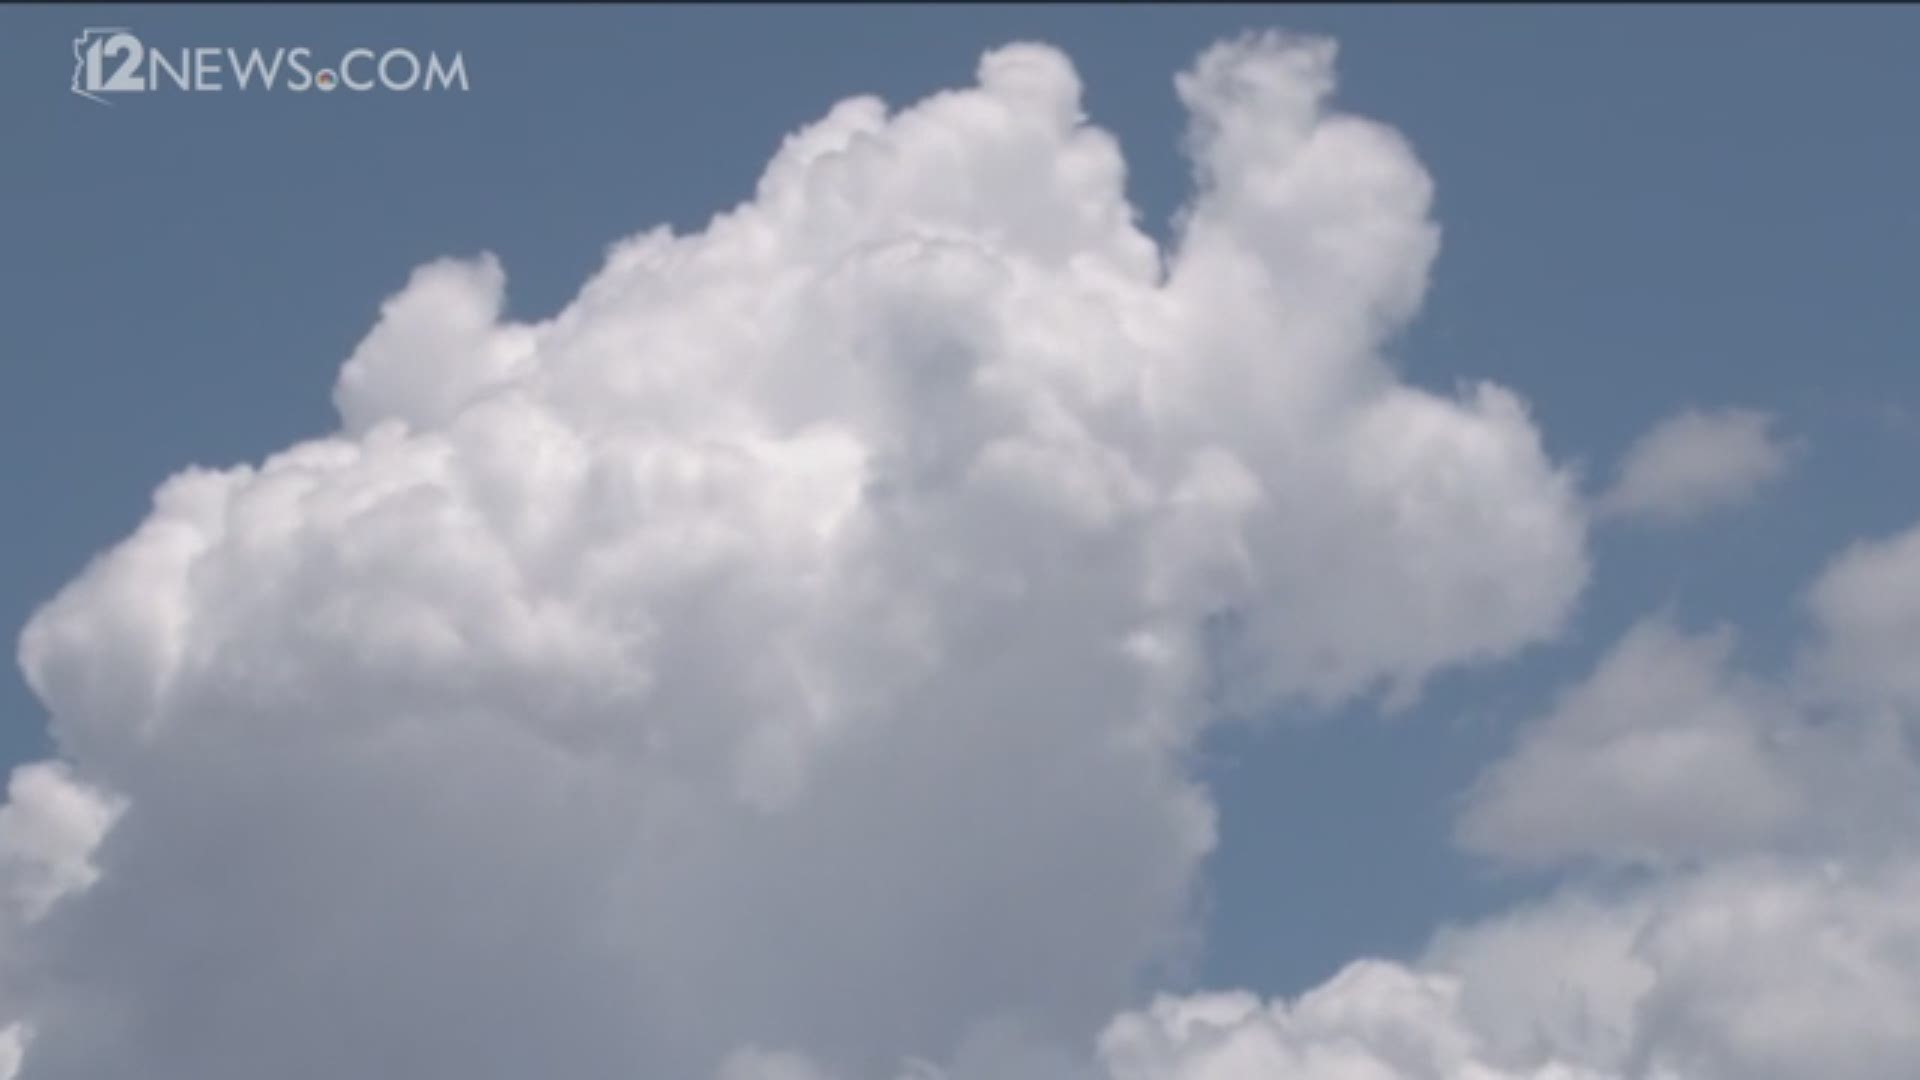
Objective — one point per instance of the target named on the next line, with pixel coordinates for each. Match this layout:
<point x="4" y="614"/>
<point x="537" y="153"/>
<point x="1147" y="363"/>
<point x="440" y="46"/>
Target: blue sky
<point x="1642" y="211"/>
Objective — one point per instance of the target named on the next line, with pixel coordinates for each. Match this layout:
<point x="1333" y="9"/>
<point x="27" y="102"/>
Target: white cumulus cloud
<point x="796" y="641"/>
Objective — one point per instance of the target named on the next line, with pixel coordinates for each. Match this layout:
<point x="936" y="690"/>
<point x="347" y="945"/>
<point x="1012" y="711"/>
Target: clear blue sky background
<point x="1643" y="209"/>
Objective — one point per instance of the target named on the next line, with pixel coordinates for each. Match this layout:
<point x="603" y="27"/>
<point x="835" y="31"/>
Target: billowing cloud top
<point x="794" y="641"/>
<point x="781" y="664"/>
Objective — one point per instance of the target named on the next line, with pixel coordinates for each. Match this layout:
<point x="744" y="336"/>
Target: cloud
<point x="1662" y="754"/>
<point x="1559" y="977"/>
<point x="1761" y="968"/>
<point x="1755" y="968"/>
<point x="1771" y="927"/>
<point x="1668" y="753"/>
<point x="1694" y="463"/>
<point x="783" y="663"/>
<point x="1781" y="972"/>
<point x="1866" y="605"/>
<point x="12" y="1050"/>
<point x="797" y="641"/>
<point x="49" y="828"/>
<point x="1373" y="1021"/>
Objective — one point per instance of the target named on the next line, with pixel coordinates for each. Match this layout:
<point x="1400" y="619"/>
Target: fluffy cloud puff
<point x="795" y="641"/>
<point x="1867" y="608"/>
<point x="1374" y="1021"/>
<point x="1696" y="462"/>
<point x="1749" y="968"/>
<point x="1661" y="754"/>
<point x="1668" y="753"/>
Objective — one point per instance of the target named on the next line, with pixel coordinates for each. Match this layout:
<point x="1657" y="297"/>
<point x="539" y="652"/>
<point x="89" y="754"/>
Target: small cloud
<point x="1662" y="754"/>
<point x="1694" y="463"/>
<point x="1866" y="604"/>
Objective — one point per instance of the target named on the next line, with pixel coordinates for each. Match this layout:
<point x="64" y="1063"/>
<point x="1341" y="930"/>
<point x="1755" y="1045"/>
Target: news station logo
<point x="111" y="61"/>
